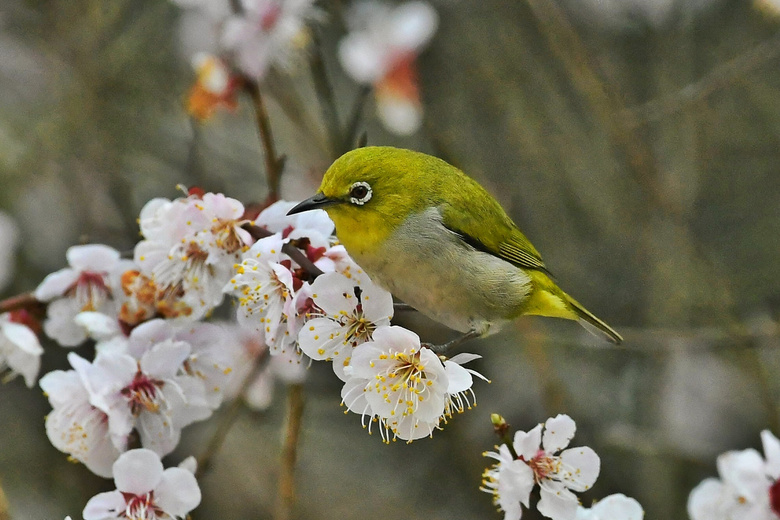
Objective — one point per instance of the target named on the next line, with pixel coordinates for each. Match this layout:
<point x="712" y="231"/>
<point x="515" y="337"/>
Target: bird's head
<point x="370" y="191"/>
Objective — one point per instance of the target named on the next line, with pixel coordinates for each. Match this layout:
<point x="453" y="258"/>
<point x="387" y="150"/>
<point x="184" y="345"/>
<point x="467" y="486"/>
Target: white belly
<point x="432" y="269"/>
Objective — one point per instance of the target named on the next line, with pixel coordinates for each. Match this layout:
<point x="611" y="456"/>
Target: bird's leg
<point x="445" y="347"/>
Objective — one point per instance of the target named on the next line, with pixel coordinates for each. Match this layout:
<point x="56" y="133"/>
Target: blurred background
<point x="635" y="142"/>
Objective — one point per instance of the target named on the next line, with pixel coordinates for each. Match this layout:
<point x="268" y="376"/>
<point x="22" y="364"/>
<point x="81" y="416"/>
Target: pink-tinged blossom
<point x="542" y="460"/>
<point x="20" y="350"/>
<point x="748" y="487"/>
<point x="148" y="392"/>
<point x="75" y="426"/>
<point x="189" y="247"/>
<point x="263" y="287"/>
<point x="343" y="319"/>
<point x="145" y="491"/>
<point x="402" y="384"/>
<point x="381" y="49"/>
<point x="267" y="33"/>
<point x="84" y="286"/>
<point x="613" y="507"/>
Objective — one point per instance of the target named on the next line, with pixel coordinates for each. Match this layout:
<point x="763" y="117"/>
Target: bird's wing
<point x="502" y="240"/>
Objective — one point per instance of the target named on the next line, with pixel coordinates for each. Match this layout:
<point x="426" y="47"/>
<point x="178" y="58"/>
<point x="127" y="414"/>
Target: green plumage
<point x="439" y="241"/>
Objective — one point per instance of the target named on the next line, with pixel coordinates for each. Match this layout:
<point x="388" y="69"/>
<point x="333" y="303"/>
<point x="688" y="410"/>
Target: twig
<point x="324" y="91"/>
<point x="228" y="417"/>
<point x="721" y="76"/>
<point x="286" y="498"/>
<point x="290" y="250"/>
<point x="20" y="301"/>
<point x="4" y="514"/>
<point x="273" y="163"/>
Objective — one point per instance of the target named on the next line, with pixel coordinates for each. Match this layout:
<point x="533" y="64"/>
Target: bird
<point x="437" y="240"/>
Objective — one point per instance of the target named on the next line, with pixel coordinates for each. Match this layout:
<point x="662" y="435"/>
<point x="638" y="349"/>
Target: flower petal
<point x="527" y="444"/>
<point x="618" y="507"/>
<point x="557" y="502"/>
<point x="580" y="469"/>
<point x="771" y="454"/>
<point x="138" y="471"/>
<point x="104" y="506"/>
<point x="558" y="432"/>
<point x="177" y="493"/>
<point x="705" y="501"/>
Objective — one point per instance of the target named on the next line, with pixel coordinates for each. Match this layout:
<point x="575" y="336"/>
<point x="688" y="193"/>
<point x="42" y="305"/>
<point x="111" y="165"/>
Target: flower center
<point x="90" y="290"/>
<point x="270" y="16"/>
<point x="141" y="507"/>
<point x="143" y="393"/>
<point x="544" y="465"/>
<point x="774" y="497"/>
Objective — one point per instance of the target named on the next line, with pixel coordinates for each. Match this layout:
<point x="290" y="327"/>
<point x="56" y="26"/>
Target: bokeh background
<point x="636" y="142"/>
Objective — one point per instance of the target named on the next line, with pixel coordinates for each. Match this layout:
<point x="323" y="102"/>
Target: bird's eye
<point x="360" y="193"/>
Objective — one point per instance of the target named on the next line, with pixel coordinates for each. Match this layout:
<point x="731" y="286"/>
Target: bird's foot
<point x="446" y="347"/>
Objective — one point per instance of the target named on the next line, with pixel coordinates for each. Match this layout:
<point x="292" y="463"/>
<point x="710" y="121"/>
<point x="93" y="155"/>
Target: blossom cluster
<point x="379" y="50"/>
<point x="161" y="363"/>
<point x="748" y="487"/>
<point x="541" y="457"/>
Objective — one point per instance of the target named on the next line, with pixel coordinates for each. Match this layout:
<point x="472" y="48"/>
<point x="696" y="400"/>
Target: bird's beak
<point x="318" y="201"/>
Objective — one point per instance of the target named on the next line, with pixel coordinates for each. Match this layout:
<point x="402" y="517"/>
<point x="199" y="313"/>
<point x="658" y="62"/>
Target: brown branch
<point x="290" y="250"/>
<point x="4" y="514"/>
<point x="273" y="163"/>
<point x="20" y="301"/>
<point x="351" y="139"/>
<point x="286" y="497"/>
<point x="720" y="77"/>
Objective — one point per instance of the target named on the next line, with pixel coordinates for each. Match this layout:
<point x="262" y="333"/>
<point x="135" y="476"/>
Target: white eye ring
<point x="365" y="198"/>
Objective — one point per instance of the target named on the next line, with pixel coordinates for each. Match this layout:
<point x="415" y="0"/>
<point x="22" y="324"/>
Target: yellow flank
<point x="547" y="299"/>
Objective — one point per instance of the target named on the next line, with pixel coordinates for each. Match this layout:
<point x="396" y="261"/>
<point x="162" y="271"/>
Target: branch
<point x="290" y="250"/>
<point x="351" y="133"/>
<point x="228" y="417"/>
<point x="720" y="77"/>
<point x="4" y="514"/>
<point x="286" y="498"/>
<point x="20" y="301"/>
<point x="273" y="163"/>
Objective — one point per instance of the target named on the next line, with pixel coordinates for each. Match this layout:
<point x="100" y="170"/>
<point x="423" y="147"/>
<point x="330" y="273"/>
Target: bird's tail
<point x="591" y="323"/>
<point x="549" y="300"/>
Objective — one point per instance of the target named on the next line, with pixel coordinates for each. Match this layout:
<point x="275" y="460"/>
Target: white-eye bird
<point x="434" y="238"/>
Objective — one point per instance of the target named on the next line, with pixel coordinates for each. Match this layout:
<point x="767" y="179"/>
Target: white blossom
<point x="75" y="426"/>
<point x="190" y="246"/>
<point x="381" y="49"/>
<point x="84" y="286"/>
<point x="267" y="32"/>
<point x="344" y="318"/>
<point x="613" y="507"/>
<point x="748" y="487"/>
<point x="541" y="458"/>
<point x="20" y="350"/>
<point x="145" y="491"/>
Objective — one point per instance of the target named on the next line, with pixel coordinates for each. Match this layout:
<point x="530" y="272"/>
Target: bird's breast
<point x="429" y="267"/>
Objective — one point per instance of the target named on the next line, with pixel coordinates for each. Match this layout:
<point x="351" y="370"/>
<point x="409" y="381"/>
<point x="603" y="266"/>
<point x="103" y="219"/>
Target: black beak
<point x="318" y="201"/>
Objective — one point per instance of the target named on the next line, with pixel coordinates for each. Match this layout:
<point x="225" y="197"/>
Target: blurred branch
<point x="570" y="50"/>
<point x="4" y="514"/>
<point x="351" y="133"/>
<point x="20" y="301"/>
<point x="720" y="77"/>
<point x="324" y="91"/>
<point x="286" y="497"/>
<point x="228" y="417"/>
<point x="273" y="163"/>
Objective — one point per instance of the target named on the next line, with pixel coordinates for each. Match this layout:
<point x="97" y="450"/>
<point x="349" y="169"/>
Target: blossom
<point x="145" y="491"/>
<point x="189" y="247"/>
<point x="214" y="87"/>
<point x="538" y="461"/>
<point x="613" y="507"/>
<point x="84" y="286"/>
<point x="345" y="319"/>
<point x="747" y="489"/>
<point x="20" y="350"/>
<point x="147" y="392"/>
<point x="402" y="384"/>
<point x="263" y="286"/>
<point x="267" y="33"/>
<point x="9" y="239"/>
<point x="75" y="426"/>
<point x="381" y="49"/>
